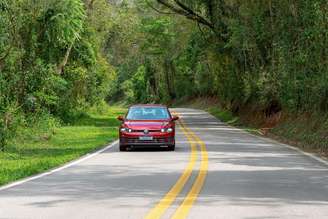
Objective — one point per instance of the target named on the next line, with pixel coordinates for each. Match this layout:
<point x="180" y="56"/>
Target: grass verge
<point x="35" y="155"/>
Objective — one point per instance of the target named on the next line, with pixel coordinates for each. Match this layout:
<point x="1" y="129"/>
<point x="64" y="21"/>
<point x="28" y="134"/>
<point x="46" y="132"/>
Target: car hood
<point x="146" y="124"/>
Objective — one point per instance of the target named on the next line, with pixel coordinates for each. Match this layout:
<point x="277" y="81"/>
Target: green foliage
<point x="271" y="54"/>
<point x="224" y="115"/>
<point x="145" y="46"/>
<point x="51" y="60"/>
<point x="140" y="85"/>
<point x="10" y="118"/>
<point x="64" y="21"/>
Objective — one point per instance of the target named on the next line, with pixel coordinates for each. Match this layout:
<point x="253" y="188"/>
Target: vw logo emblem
<point x="146" y="131"/>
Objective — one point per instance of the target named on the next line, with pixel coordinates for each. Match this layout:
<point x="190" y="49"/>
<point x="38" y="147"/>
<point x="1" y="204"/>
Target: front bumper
<point x="157" y="141"/>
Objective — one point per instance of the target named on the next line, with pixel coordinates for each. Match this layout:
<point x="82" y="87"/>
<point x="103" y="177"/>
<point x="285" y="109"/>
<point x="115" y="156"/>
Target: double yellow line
<point x="184" y="208"/>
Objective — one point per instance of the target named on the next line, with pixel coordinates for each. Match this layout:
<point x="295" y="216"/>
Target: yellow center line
<point x="170" y="197"/>
<point x="183" y="210"/>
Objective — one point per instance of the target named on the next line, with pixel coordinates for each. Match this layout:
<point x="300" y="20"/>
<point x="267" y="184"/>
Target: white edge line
<point x="69" y="164"/>
<point x="267" y="139"/>
<point x="311" y="155"/>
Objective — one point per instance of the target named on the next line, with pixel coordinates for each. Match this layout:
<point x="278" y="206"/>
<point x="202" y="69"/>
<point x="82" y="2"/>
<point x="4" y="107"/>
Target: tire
<point x="171" y="147"/>
<point x="123" y="147"/>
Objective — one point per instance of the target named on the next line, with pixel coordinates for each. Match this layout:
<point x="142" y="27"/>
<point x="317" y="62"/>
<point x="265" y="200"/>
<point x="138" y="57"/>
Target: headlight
<point x="169" y="130"/>
<point x="126" y="130"/>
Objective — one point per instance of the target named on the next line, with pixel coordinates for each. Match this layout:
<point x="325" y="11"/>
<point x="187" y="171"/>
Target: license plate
<point x="146" y="138"/>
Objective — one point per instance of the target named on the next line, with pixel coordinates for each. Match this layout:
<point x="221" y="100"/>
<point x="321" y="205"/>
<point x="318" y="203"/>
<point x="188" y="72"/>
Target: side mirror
<point x="121" y="118"/>
<point x="174" y="118"/>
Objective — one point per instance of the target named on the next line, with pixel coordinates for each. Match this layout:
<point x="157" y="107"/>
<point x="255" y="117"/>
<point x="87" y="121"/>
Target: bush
<point x="40" y="126"/>
<point x="10" y="119"/>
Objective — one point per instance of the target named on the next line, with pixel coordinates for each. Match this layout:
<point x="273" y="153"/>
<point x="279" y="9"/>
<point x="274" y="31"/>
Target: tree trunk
<point x="169" y="77"/>
<point x="61" y="66"/>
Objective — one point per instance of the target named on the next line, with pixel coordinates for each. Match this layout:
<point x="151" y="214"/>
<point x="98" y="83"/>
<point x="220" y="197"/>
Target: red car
<point x="147" y="125"/>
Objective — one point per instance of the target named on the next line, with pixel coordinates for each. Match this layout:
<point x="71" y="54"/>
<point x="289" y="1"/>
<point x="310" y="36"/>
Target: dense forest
<point x="59" y="57"/>
<point x="272" y="54"/>
<point x="52" y="63"/>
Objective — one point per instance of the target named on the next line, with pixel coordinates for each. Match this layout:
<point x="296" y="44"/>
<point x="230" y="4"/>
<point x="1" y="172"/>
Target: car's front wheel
<point x="171" y="147"/>
<point x="123" y="147"/>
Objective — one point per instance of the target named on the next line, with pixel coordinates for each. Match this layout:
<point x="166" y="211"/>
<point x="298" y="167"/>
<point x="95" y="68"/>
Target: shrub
<point x="10" y="119"/>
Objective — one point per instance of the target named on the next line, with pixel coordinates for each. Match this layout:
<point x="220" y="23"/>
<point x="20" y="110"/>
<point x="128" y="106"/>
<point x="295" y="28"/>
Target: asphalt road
<point x="216" y="172"/>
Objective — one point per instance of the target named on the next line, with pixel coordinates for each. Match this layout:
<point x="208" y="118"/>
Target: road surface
<point x="216" y="172"/>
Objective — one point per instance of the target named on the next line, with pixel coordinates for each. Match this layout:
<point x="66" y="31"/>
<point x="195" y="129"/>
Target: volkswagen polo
<point x="147" y="125"/>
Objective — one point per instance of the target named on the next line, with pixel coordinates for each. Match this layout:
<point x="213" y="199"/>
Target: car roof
<point x="149" y="105"/>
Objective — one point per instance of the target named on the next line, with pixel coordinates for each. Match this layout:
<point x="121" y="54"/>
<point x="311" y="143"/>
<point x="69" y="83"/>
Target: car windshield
<point x="148" y="113"/>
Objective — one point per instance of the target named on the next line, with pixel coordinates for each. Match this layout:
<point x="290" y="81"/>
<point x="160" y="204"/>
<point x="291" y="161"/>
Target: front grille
<point x="152" y="130"/>
<point x="154" y="141"/>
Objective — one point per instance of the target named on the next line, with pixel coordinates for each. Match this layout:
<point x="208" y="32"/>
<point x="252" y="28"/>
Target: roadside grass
<point x="223" y="115"/>
<point x="30" y="156"/>
<point x="230" y="119"/>
<point x="307" y="131"/>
